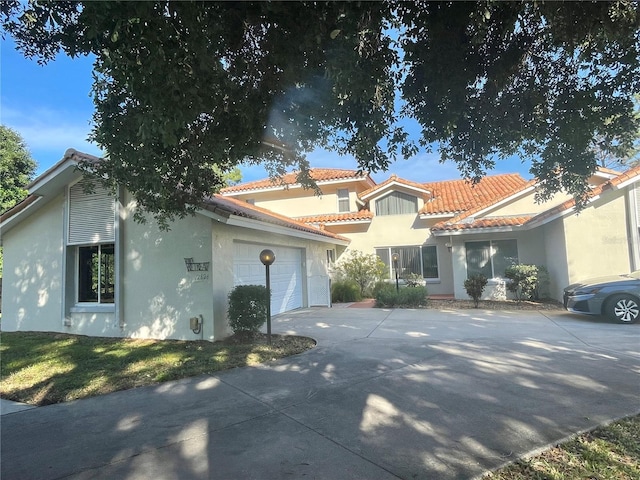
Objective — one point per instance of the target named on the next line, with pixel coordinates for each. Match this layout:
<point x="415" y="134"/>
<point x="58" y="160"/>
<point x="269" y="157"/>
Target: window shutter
<point x="91" y="216"/>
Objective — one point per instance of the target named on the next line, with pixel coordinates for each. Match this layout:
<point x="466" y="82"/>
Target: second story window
<point x="343" y="200"/>
<point x="397" y="203"/>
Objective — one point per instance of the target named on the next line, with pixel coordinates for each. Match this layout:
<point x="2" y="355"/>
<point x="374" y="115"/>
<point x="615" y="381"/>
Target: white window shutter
<point x="91" y="216"/>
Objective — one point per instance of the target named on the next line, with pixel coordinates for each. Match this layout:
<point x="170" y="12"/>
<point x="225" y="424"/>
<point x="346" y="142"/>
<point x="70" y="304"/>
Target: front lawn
<point x="610" y="452"/>
<point x="45" y="368"/>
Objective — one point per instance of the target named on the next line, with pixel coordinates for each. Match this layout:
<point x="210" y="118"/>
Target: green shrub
<point x="377" y="287"/>
<point x="474" y="285"/>
<point x="362" y="269"/>
<point x="343" y="291"/>
<point x="413" y="296"/>
<point x="542" y="289"/>
<point x="248" y="308"/>
<point x="388" y="296"/>
<point x="523" y="281"/>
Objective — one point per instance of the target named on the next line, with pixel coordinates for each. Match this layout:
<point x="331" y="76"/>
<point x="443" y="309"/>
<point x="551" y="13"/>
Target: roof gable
<point x="394" y="183"/>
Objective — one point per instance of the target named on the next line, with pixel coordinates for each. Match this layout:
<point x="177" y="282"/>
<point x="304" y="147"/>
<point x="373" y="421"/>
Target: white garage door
<point x="285" y="273"/>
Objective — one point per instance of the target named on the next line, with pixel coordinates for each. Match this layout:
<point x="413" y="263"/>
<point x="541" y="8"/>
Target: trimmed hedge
<point x="388" y="296"/>
<point x="248" y="308"/>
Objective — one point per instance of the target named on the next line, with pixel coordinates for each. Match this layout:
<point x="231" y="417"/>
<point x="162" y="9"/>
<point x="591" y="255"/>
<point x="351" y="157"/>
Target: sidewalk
<point x="8" y="406"/>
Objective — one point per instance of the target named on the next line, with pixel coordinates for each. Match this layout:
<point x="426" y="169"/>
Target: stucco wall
<point x="556" y="253"/>
<point x="298" y="202"/>
<point x="526" y="205"/>
<point x="159" y="295"/>
<point x="33" y="271"/>
<point x="597" y="242"/>
<point x="405" y="230"/>
<point x="530" y="251"/>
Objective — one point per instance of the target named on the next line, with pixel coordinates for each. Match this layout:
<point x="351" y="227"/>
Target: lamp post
<point x="395" y="258"/>
<point x="267" y="257"/>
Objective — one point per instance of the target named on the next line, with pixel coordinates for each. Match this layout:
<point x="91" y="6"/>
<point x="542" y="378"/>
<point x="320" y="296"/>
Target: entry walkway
<point x="386" y="394"/>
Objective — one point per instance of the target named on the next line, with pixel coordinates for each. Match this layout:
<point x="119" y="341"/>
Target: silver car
<point x="616" y="297"/>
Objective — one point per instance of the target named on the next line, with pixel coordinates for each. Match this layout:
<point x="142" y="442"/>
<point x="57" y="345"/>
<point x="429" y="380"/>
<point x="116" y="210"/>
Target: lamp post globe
<point x="395" y="257"/>
<point x="267" y="257"/>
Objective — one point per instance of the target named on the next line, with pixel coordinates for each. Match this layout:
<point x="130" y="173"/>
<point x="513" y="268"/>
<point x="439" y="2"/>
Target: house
<point x="448" y="230"/>
<point x="77" y="262"/>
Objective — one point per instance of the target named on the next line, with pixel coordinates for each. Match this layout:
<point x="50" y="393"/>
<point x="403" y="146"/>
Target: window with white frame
<point x="343" y="200"/>
<point x="91" y="239"/>
<point x="96" y="273"/>
<point x="331" y="257"/>
<point x="491" y="257"/>
<point x="419" y="260"/>
<point x="397" y="203"/>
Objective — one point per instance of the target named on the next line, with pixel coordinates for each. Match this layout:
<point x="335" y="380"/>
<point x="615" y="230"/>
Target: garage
<point x="285" y="273"/>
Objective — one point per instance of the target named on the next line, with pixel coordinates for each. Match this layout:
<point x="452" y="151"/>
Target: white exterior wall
<point x="530" y="251"/>
<point x="405" y="230"/>
<point x="556" y="253"/>
<point x="313" y="258"/>
<point x="597" y="239"/>
<point x="159" y="295"/>
<point x="33" y="272"/>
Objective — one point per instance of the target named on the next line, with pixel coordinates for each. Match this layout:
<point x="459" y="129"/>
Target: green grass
<point x="46" y="368"/>
<point x="609" y="452"/>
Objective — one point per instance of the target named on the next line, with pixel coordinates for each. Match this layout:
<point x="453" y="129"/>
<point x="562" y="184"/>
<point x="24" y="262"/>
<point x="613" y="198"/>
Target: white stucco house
<point x="445" y="231"/>
<point x="78" y="263"/>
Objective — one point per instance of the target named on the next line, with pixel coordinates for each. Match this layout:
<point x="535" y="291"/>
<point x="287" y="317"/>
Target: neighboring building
<point x="76" y="262"/>
<point x="445" y="231"/>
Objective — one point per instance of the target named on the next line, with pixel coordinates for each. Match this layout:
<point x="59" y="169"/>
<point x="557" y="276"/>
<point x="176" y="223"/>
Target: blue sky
<point x="50" y="106"/>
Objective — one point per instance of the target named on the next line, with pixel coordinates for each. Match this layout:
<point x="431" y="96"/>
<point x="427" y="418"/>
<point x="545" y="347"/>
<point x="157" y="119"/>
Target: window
<point x="397" y="203"/>
<point x="491" y="258"/>
<point x="96" y="274"/>
<point x="91" y="273"/>
<point x="343" y="200"/>
<point x="419" y="260"/>
<point x="331" y="257"/>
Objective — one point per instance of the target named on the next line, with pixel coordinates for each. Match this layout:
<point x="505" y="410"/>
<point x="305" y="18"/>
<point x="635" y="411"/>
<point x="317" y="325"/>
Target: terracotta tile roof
<point x="515" y="221"/>
<point x="459" y="223"/>
<point x="246" y="210"/>
<point x="317" y="174"/>
<point x="391" y="179"/>
<point x="337" y="217"/>
<point x="623" y="177"/>
<point x="455" y="196"/>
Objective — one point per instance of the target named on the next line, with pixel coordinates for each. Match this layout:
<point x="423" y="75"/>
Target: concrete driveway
<point x="386" y="394"/>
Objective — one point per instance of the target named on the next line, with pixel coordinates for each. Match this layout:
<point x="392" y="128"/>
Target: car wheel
<point x="623" y="308"/>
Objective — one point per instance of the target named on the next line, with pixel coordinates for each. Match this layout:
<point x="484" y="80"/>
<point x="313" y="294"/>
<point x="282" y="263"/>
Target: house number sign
<point x="201" y="269"/>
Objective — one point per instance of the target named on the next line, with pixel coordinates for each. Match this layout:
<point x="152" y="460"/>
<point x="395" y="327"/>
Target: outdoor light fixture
<point x="267" y="257"/>
<point x="448" y="245"/>
<point x="395" y="257"/>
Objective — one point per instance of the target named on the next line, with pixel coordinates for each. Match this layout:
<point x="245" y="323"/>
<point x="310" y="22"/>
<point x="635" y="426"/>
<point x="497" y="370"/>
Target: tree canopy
<point x="16" y="168"/>
<point x="181" y="87"/>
